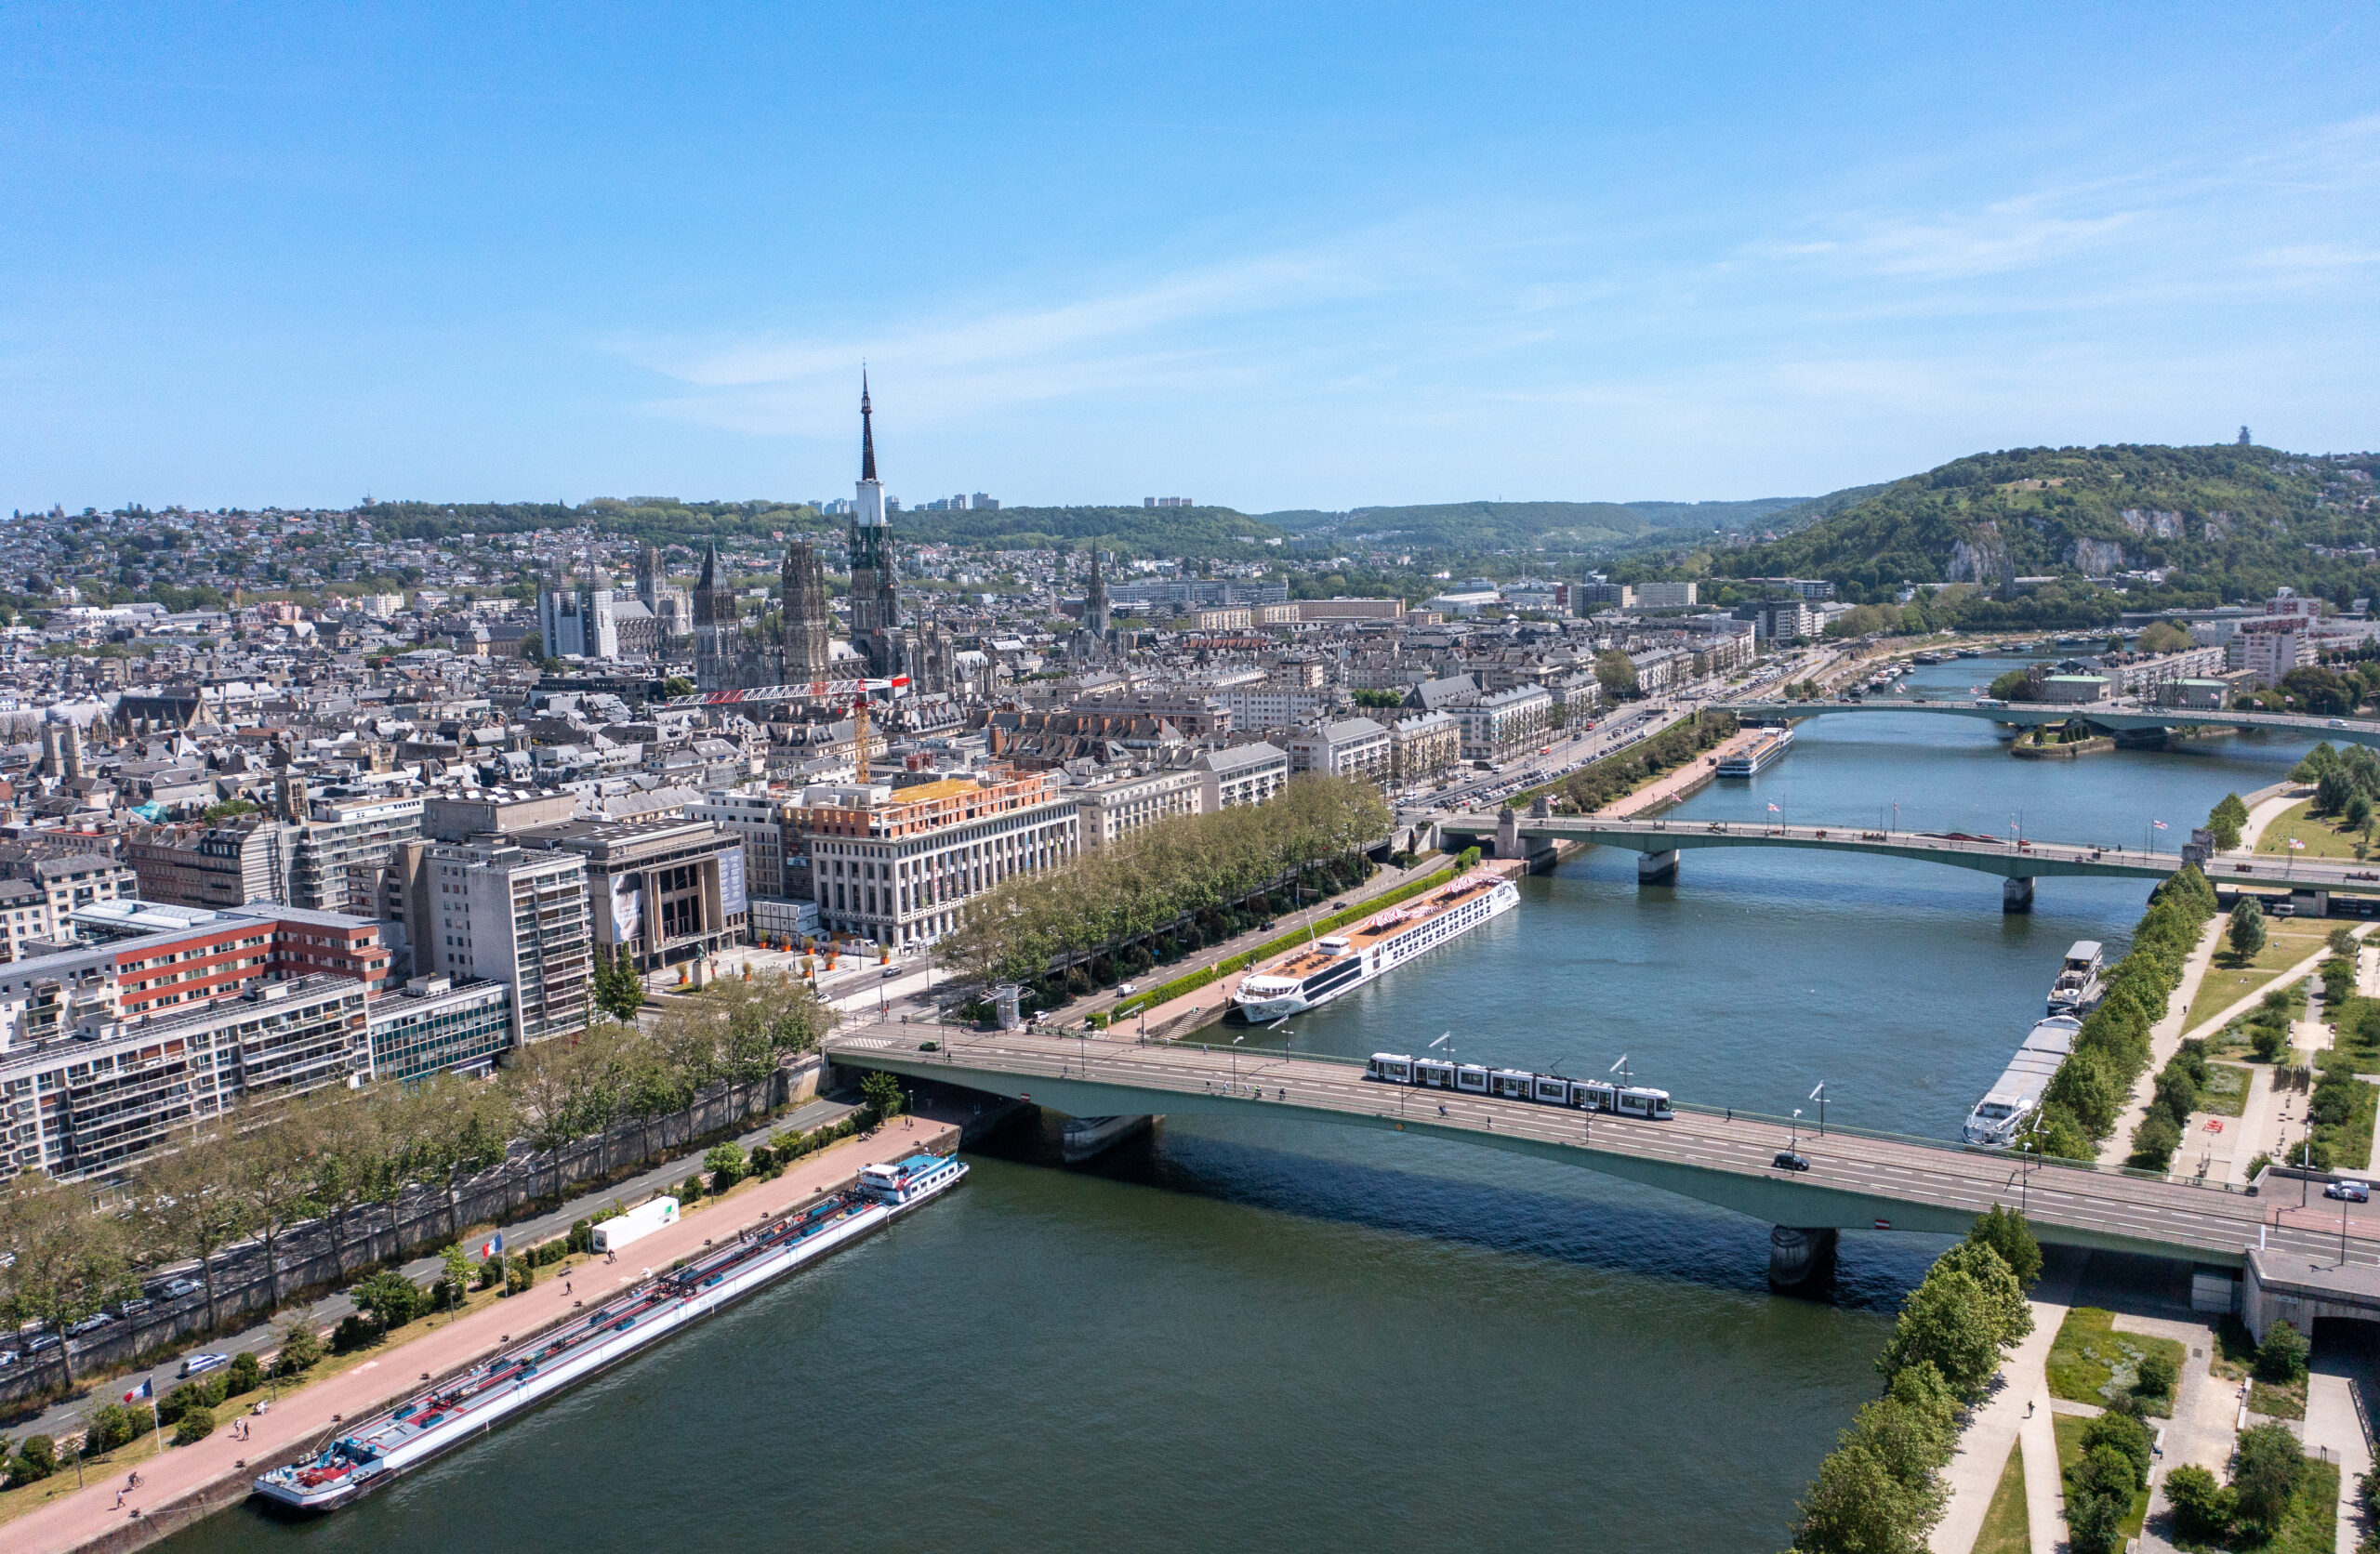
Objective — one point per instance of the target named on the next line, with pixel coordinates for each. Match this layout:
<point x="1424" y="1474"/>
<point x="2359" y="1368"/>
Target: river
<point x="1249" y="1334"/>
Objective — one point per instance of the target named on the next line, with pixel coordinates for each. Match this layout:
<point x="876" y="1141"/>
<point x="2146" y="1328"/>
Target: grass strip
<point x="2008" y="1525"/>
<point x="2090" y="1361"/>
<point x="2069" y="1428"/>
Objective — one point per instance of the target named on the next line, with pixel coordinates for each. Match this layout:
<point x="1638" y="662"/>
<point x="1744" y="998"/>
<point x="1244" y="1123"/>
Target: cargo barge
<point x="440" y="1418"/>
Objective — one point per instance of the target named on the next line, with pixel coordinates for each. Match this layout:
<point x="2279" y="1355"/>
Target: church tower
<point x="803" y="588"/>
<point x="876" y="598"/>
<point x="718" y="632"/>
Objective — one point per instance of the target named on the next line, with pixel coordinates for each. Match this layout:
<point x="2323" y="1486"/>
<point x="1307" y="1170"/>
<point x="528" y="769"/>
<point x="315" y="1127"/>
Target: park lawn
<point x="2284" y="1400"/>
<point x="2322" y="839"/>
<point x="2069" y="1428"/>
<point x="2287" y="942"/>
<point x="2311" y="1526"/>
<point x="2090" y="1361"/>
<point x="2226" y="1090"/>
<point x="2007" y="1527"/>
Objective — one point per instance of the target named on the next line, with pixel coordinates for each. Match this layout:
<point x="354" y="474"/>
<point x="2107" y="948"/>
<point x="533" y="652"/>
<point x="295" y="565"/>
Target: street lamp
<point x="1234" y="1061"/>
<point x="1794" y="1137"/>
<point x="1819" y="1094"/>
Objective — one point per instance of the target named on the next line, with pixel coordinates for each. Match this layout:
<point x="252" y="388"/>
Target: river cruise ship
<point x="1310" y="978"/>
<point x="460" y="1409"/>
<point x="1759" y="756"/>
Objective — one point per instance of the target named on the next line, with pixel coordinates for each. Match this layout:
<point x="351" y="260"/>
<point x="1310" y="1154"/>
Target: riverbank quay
<point x="1189" y="1012"/>
<point x="190" y="1482"/>
<point x="64" y="1417"/>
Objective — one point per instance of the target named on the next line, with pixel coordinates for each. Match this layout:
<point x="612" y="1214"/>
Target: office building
<point x="1502" y="725"/>
<point x="1242" y="774"/>
<point x="432" y="1024"/>
<point x="896" y="866"/>
<point x="1346" y="747"/>
<point x="1119" y="806"/>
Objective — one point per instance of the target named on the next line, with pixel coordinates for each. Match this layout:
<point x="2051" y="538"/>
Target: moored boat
<point x="1309" y="978"/>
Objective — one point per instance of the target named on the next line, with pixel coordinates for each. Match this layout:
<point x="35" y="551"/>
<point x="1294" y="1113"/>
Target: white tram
<point x="1500" y="1084"/>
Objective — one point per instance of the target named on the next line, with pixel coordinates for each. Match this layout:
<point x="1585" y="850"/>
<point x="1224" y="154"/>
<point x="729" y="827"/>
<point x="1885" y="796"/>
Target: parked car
<point x="1787" y="1160"/>
<point x="199" y="1365"/>
<point x="134" y="1307"/>
<point x="42" y="1345"/>
<point x="2348" y="1192"/>
<point x="174" y="1289"/>
<point x="91" y="1323"/>
<point x="7" y="1359"/>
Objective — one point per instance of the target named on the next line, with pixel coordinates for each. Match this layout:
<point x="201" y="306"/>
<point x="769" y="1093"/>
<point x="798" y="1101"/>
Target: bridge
<point x="1856" y="1180"/>
<point x="2114" y="718"/>
<point x="2018" y="863"/>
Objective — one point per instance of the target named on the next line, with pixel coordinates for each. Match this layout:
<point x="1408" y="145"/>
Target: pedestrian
<point x="565" y="1286"/>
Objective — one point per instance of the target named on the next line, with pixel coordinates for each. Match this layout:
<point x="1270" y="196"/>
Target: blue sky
<point x="1268" y="256"/>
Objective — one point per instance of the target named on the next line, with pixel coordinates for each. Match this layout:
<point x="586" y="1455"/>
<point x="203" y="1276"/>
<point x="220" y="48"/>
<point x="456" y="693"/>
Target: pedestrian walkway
<point x="2267" y="805"/>
<point x="2164" y="1040"/>
<point x="1994" y="1428"/>
<point x="2333" y="1429"/>
<point x="309" y="1414"/>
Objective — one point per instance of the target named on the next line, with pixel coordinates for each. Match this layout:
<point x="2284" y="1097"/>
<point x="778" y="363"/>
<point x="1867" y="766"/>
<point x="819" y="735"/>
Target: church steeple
<point x="867" y="432"/>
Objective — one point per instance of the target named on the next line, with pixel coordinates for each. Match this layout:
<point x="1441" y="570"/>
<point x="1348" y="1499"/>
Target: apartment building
<point x="432" y="1024"/>
<point x="1497" y="727"/>
<point x="1666" y="596"/>
<point x="1275" y="704"/>
<point x="896" y="866"/>
<point x="1423" y="746"/>
<point x="1779" y="620"/>
<point x="493" y="910"/>
<point x="1242" y="774"/>
<point x="335" y="863"/>
<point x="162" y="956"/>
<point x="1347" y="747"/>
<point x="1660" y="669"/>
<point x="2268" y="647"/>
<point x="39" y="891"/>
<point x="2147" y="677"/>
<point x="1119" y="806"/>
<point x="246" y="858"/>
<point x="96" y="1096"/>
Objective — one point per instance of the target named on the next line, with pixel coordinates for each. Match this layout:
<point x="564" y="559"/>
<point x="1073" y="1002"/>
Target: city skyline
<point x="1329" y="259"/>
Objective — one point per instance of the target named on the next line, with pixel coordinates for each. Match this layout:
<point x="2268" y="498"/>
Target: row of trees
<point x="1880" y="1490"/>
<point x="2082" y="1102"/>
<point x="261" y="1173"/>
<point x="1592" y="787"/>
<point x="1102" y="900"/>
<point x="2347" y="783"/>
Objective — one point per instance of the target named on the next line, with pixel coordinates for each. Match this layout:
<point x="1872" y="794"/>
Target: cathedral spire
<point x="867" y="432"/>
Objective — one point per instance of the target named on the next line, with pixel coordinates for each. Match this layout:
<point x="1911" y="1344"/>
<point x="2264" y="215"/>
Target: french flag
<point x="146" y="1389"/>
<point x="493" y="1247"/>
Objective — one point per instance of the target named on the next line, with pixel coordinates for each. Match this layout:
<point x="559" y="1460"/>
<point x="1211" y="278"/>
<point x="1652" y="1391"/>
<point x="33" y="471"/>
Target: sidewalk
<point x="1994" y="1428"/>
<point x="2265" y="806"/>
<point x="2164" y="1040"/>
<point x="308" y="1415"/>
<point x="2332" y="1426"/>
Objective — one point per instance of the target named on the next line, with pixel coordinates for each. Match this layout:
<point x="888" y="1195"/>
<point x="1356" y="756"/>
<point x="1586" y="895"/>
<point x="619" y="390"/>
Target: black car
<point x="1787" y="1160"/>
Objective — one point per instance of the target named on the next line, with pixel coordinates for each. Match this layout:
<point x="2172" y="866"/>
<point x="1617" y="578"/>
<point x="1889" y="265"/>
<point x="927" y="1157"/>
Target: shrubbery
<point x="110" y="1425"/>
<point x="35" y="1459"/>
<point x="194" y="1425"/>
<point x="299" y="1350"/>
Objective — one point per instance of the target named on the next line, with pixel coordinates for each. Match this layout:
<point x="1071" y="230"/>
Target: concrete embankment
<point x="190" y="1482"/>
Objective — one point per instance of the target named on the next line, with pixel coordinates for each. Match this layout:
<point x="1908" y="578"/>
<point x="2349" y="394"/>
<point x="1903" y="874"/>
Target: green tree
<point x="620" y="986"/>
<point x="2316" y="764"/>
<point x="2266" y="1467"/>
<point x="2004" y="1299"/>
<point x="1947" y="1323"/>
<point x="391" y="1298"/>
<point x="1616" y="672"/>
<point x="2005" y="1231"/>
<point x="2247" y="930"/>
<point x="197" y="1422"/>
<point x="62" y="1262"/>
<point x="1858" y="1503"/>
<point x="2202" y="1505"/>
<point x="882" y="1092"/>
<point x="2282" y="1356"/>
<point x="2229" y="816"/>
<point x="726" y="1164"/>
<point x="676" y="686"/>
<point x="2017" y="685"/>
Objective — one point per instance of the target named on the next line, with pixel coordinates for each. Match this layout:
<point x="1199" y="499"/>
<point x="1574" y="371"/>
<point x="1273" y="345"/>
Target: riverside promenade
<point x="189" y="1483"/>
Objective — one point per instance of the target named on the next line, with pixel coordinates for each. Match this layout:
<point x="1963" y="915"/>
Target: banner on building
<point x="731" y="882"/>
<point x="628" y="909"/>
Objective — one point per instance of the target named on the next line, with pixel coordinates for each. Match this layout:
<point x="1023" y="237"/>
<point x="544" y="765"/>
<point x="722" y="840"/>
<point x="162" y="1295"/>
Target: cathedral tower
<point x="803" y="588"/>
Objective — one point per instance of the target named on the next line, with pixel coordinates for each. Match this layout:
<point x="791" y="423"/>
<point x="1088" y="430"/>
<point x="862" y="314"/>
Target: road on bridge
<point x="1705" y="1154"/>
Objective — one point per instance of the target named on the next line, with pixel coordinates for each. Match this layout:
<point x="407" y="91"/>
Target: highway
<point x="1856" y="1180"/>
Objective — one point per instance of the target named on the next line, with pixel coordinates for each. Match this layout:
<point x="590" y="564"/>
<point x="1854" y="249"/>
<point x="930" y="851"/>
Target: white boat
<point x="437" y="1421"/>
<point x="2003" y="1109"/>
<point x="1310" y="978"/>
<point x="1762" y="754"/>
<point x="2077" y="989"/>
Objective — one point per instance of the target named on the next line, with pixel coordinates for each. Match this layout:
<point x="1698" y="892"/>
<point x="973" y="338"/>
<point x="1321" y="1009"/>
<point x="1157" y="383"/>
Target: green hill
<point x="1172" y="532"/>
<point x="1475" y="526"/>
<point x="2235" y="520"/>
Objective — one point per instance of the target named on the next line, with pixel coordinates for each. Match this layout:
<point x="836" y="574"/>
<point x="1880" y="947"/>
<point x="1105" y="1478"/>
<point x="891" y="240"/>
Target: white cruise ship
<point x="1762" y="754"/>
<point x="1311" y="976"/>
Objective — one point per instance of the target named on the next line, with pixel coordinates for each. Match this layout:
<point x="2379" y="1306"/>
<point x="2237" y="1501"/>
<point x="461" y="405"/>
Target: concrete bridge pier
<point x="2016" y="894"/>
<point x="1657" y="868"/>
<point x="1796" y="1256"/>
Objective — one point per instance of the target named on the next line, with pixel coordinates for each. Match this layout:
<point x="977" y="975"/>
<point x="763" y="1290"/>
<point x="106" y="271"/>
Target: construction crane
<point x="854" y="694"/>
